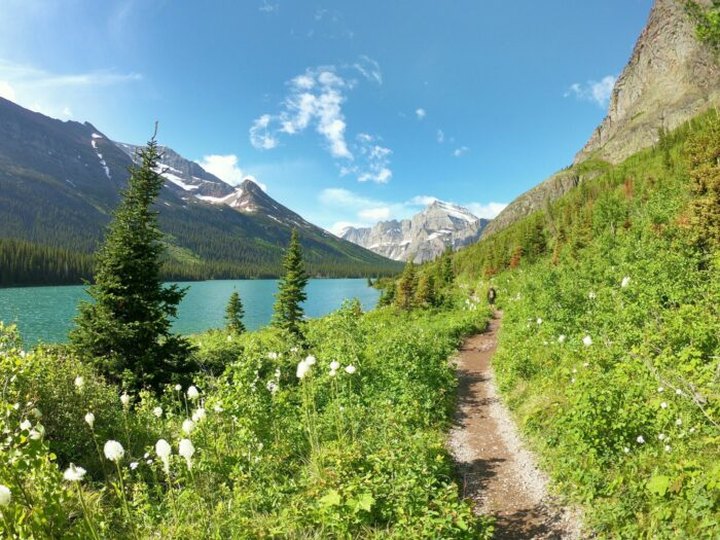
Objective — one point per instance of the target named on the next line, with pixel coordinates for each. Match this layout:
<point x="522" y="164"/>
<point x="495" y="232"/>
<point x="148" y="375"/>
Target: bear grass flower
<point x="350" y="369"/>
<point x="334" y="365"/>
<point x="198" y="415"/>
<point x="561" y="338"/>
<point x="113" y="451"/>
<point x="163" y="451"/>
<point x="26" y="425"/>
<point x="125" y="399"/>
<point x="625" y="282"/>
<point x="193" y="393"/>
<point x="640" y="439"/>
<point x="587" y="341"/>
<point x="79" y="382"/>
<point x="178" y="388"/>
<point x="5" y="495"/>
<point x="90" y="420"/>
<point x="186" y="450"/>
<point x="158" y="412"/>
<point x="74" y="473"/>
<point x="187" y="426"/>
<point x="303" y="367"/>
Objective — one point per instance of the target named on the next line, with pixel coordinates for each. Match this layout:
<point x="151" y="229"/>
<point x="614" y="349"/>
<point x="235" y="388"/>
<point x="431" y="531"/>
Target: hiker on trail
<point x="491" y="295"/>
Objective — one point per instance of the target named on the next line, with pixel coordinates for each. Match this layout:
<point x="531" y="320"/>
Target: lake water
<point x="46" y="313"/>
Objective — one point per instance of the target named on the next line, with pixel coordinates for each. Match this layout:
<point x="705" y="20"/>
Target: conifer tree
<point x="288" y="312"/>
<point x="703" y="153"/>
<point x="426" y="295"/>
<point x="406" y="287"/>
<point x="126" y="330"/>
<point x="234" y="313"/>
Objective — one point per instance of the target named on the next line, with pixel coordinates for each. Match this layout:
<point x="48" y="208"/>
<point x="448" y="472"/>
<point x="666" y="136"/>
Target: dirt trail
<point x="494" y="468"/>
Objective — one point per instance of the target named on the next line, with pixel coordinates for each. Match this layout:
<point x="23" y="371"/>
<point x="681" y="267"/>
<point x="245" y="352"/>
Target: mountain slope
<point x="669" y="79"/>
<point x="423" y="237"/>
<point x="59" y="182"/>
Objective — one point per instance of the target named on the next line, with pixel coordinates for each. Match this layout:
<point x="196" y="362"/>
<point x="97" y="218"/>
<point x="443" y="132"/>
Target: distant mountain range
<point x="60" y="181"/>
<point x="424" y="236"/>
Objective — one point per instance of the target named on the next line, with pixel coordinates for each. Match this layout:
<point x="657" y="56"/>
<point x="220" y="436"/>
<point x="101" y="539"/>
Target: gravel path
<point x="494" y="468"/>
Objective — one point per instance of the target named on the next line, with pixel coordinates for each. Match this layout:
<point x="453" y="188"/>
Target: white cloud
<point x="315" y="100"/>
<point x="440" y="136"/>
<point x="486" y="211"/>
<point x="225" y="167"/>
<point x="267" y="7"/>
<point x="460" y="151"/>
<point x="598" y="92"/>
<point x="369" y="69"/>
<point x="339" y="227"/>
<point x="49" y="93"/>
<point x="422" y="200"/>
<point x="7" y="91"/>
<point x="375" y="214"/>
<point x="420" y="113"/>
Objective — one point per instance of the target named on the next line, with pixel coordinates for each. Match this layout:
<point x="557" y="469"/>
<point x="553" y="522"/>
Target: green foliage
<point x="126" y="330"/>
<point x="611" y="338"/>
<point x="351" y="450"/>
<point x="288" y="311"/>
<point x="234" y="313"/>
<point x="707" y="22"/>
<point x="406" y="288"/>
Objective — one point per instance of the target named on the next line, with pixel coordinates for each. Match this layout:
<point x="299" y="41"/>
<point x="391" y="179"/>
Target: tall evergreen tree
<point x="288" y="312"/>
<point x="125" y="332"/>
<point x="406" y="287"/>
<point x="234" y="313"/>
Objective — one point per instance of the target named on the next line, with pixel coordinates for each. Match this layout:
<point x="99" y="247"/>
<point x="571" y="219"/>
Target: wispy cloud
<point x="315" y="99"/>
<point x="366" y="211"/>
<point x="225" y="167"/>
<point x="40" y="90"/>
<point x="420" y="113"/>
<point x="440" y="136"/>
<point x="598" y="92"/>
<point x="267" y="7"/>
<point x="460" y="151"/>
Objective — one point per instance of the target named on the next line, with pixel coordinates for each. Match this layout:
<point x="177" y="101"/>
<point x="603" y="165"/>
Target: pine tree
<point x="426" y="295"/>
<point x="126" y="331"/>
<point x="288" y="313"/>
<point x="234" y="313"/>
<point x="406" y="287"/>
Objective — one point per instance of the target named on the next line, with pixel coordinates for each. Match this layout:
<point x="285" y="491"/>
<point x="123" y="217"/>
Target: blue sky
<point x="349" y="112"/>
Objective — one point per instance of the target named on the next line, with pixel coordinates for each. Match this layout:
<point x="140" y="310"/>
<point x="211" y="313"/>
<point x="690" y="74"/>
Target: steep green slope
<point x="610" y="350"/>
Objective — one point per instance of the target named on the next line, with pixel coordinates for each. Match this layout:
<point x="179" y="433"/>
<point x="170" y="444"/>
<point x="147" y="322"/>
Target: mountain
<point x="424" y="236"/>
<point x="60" y="181"/>
<point x="670" y="78"/>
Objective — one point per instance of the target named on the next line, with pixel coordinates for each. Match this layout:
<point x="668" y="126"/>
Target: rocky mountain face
<point x="423" y="237"/>
<point x="60" y="181"/>
<point x="670" y="78"/>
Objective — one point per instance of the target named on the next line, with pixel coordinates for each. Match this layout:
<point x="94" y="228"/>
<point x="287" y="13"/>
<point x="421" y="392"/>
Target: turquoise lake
<point x="46" y="313"/>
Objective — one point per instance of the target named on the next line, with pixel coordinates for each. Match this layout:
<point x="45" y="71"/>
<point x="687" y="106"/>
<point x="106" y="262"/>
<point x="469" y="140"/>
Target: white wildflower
<point x="302" y="368"/>
<point x="640" y="439"/>
<point x="178" y="388"/>
<point x="125" y="399"/>
<point x="114" y="451"/>
<point x="664" y="405"/>
<point x="277" y="373"/>
<point x="146" y="455"/>
<point x="158" y="412"/>
<point x="310" y="360"/>
<point x="667" y="448"/>
<point x="193" y="393"/>
<point x="661" y="436"/>
<point x="73" y="473"/>
<point x="272" y="355"/>
<point x="625" y="282"/>
<point x="186" y="450"/>
<point x="350" y="369"/>
<point x="334" y="365"/>
<point x="217" y="408"/>
<point x="198" y="415"/>
<point x="90" y="419"/>
<point x="37" y="433"/>
<point x="333" y="372"/>
<point x="678" y="422"/>
<point x="163" y="451"/>
<point x="134" y="465"/>
<point x="539" y="320"/>
<point x="626" y="450"/>
<point x="592" y="295"/>
<point x="272" y="387"/>
<point x="25" y="425"/>
<point x="187" y="426"/>
<point x="561" y="338"/>
<point x="661" y="389"/>
<point x="79" y="382"/>
<point x="5" y="495"/>
<point x="587" y="341"/>
<point x="679" y="392"/>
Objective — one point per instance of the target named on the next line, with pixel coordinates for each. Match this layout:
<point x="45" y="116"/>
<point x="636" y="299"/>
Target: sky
<point x="348" y="112"/>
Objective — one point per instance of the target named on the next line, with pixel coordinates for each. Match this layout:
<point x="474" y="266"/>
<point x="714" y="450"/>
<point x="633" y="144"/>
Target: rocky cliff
<point x="670" y="78"/>
<point x="423" y="237"/>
